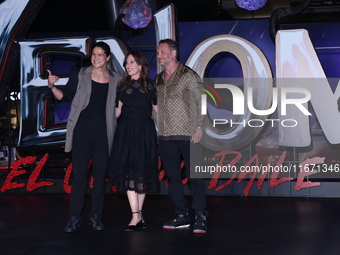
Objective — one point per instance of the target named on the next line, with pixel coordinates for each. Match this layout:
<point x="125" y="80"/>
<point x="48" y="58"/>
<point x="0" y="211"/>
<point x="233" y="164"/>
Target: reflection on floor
<point x="33" y="224"/>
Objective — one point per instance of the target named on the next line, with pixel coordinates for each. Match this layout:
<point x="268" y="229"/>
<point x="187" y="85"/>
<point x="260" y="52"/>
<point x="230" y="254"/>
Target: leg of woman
<point x="100" y="156"/>
<point x="99" y="167"/>
<point x="80" y="161"/>
<point x="133" y="201"/>
<point x="100" y="159"/>
<point x="81" y="154"/>
<point x="141" y="197"/>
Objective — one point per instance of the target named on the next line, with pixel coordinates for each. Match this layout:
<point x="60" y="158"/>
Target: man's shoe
<point x="200" y="226"/>
<point x="180" y="221"/>
<point x="73" y="224"/>
<point x="95" y="223"/>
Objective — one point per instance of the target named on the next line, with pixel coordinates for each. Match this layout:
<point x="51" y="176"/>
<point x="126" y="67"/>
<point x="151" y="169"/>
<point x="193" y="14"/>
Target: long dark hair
<point x="144" y="73"/>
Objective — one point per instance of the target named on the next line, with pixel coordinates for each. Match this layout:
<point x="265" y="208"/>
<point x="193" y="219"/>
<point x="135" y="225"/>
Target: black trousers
<point x="89" y="141"/>
<point x="171" y="152"/>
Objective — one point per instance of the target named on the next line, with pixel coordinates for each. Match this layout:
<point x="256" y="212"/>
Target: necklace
<point x="99" y="73"/>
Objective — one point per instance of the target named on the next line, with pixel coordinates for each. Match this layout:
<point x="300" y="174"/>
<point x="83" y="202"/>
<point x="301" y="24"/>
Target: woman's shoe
<point x="143" y="225"/>
<point x="134" y="227"/>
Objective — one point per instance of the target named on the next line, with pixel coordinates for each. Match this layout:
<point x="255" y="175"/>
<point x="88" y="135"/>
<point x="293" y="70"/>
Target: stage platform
<point x="32" y="224"/>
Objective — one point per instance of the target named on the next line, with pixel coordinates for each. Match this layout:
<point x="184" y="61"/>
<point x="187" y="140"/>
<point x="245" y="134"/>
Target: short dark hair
<point x="104" y="46"/>
<point x="173" y="45"/>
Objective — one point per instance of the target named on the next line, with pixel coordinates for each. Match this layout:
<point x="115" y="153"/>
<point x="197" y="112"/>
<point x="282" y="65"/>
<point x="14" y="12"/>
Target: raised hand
<point x="51" y="78"/>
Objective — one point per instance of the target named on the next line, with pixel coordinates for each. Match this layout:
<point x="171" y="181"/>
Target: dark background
<point x="97" y="15"/>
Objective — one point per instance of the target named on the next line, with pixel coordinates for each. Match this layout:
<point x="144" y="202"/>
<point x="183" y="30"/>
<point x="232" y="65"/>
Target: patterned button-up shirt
<point x="179" y="104"/>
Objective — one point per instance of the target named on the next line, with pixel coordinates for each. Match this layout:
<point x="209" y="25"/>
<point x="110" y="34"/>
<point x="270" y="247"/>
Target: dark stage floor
<point x="33" y="224"/>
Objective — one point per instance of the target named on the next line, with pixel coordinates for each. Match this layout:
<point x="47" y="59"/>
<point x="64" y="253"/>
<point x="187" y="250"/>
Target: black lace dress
<point x="134" y="157"/>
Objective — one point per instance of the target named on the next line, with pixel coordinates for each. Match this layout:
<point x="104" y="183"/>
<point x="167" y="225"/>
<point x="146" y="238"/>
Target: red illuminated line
<point x="215" y="92"/>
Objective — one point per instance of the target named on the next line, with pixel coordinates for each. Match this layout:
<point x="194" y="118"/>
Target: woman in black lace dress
<point x="133" y="166"/>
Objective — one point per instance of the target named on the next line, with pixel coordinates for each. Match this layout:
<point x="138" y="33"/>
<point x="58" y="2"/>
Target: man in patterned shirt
<point x="179" y="132"/>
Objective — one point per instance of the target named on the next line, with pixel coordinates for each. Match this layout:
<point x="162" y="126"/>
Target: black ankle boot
<point x="73" y="224"/>
<point x="95" y="223"/>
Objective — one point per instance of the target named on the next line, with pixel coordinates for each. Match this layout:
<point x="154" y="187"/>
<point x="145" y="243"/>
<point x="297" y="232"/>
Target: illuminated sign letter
<point x="257" y="75"/>
<point x="297" y="65"/>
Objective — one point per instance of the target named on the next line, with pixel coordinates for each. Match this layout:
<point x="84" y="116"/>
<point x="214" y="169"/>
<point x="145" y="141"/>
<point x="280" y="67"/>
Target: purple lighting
<point x="137" y="14"/>
<point x="251" y="5"/>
